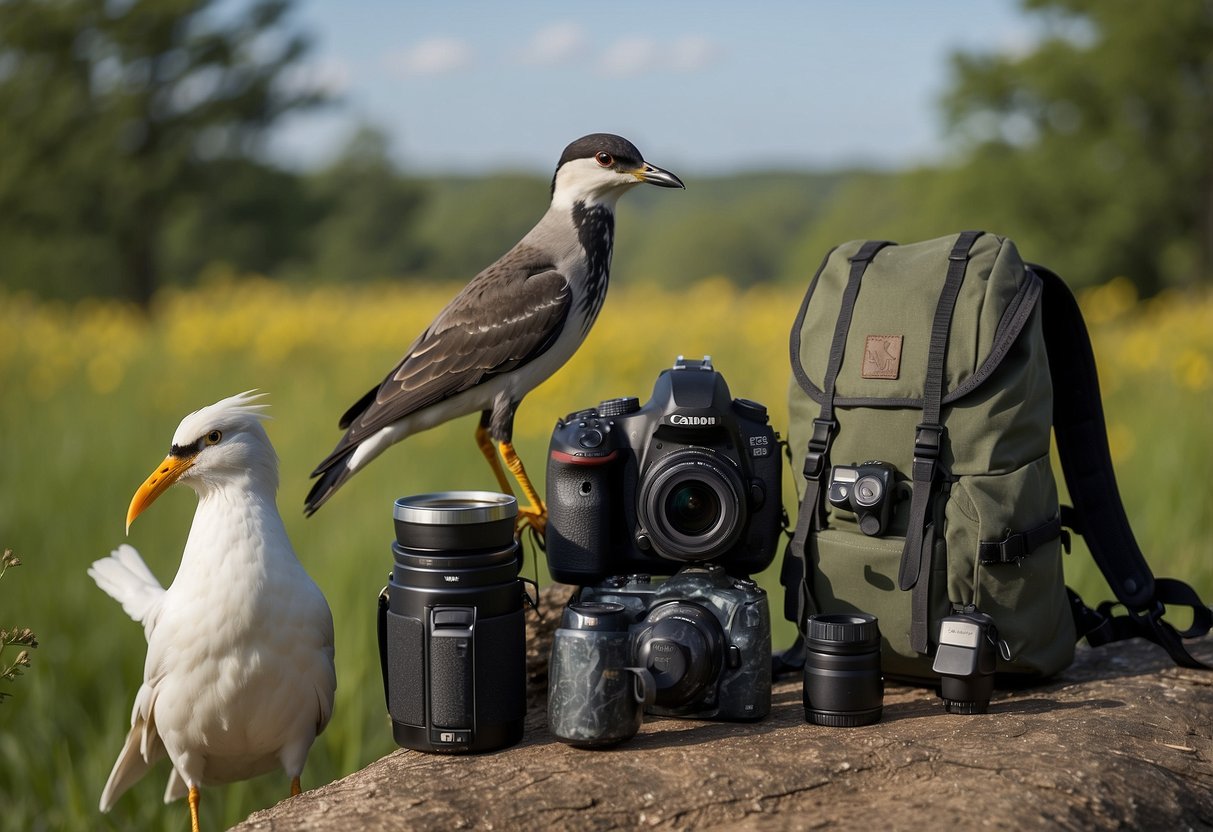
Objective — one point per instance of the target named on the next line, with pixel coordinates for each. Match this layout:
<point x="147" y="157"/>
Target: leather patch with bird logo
<point x="882" y="356"/>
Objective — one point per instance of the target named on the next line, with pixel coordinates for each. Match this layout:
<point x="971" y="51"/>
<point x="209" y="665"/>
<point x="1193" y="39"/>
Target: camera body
<point x="705" y="637"/>
<point x="693" y="475"/>
<point x="869" y="490"/>
<point x="452" y="639"/>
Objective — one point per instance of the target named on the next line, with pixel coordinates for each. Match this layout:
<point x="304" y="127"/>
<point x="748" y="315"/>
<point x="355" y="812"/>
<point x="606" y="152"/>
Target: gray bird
<point x="508" y="330"/>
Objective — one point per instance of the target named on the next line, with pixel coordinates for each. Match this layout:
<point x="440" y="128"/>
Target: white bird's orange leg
<point x="490" y="453"/>
<point x="295" y="789"/>
<point x="534" y="515"/>
<point x="194" y="795"/>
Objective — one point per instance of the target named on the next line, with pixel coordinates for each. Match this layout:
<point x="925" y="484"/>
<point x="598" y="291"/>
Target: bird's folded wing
<point x="496" y="324"/>
<point x="125" y="578"/>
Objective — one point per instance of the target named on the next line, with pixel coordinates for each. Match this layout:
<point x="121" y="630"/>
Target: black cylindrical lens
<point x="842" y="682"/>
<point x="453" y="636"/>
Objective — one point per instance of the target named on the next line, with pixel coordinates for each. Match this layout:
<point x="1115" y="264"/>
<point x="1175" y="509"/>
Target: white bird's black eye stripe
<point x="211" y="438"/>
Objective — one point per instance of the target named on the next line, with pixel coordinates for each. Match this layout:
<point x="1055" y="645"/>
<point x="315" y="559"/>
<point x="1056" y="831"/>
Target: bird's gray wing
<point x="509" y="314"/>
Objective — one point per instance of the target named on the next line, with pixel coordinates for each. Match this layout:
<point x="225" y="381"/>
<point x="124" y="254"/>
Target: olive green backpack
<point x="952" y="361"/>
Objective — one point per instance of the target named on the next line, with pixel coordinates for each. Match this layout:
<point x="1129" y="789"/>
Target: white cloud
<point x="630" y="56"/>
<point x="637" y="55"/>
<point x="436" y="56"/>
<point x="555" y="45"/>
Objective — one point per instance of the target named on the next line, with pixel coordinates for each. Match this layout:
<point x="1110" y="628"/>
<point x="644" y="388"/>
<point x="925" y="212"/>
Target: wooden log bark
<point x="1121" y="739"/>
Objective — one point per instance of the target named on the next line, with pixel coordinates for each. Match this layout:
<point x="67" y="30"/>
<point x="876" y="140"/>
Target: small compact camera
<point x="967" y="657"/>
<point x="704" y="636"/>
<point x="691" y="476"/>
<point x="869" y="490"/>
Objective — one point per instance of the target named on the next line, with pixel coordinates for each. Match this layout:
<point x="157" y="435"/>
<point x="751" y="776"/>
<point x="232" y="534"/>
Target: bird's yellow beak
<point x="166" y="474"/>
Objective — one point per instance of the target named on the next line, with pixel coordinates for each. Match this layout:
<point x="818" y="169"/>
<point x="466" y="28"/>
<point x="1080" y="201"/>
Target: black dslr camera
<point x="691" y="476"/>
<point x="704" y="636"/>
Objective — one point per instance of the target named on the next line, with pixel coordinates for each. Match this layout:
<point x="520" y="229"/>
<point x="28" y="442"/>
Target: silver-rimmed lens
<point x="447" y="508"/>
<point x="868" y="491"/>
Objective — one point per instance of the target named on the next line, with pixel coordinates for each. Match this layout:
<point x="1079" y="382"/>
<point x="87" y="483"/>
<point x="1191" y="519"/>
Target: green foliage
<point x="116" y="115"/>
<point x="1093" y="149"/>
<point x="24" y="637"/>
<point x="368" y="223"/>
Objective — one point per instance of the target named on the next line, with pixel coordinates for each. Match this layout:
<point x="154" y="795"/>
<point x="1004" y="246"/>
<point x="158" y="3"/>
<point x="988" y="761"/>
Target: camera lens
<point x="691" y="505"/>
<point x="452" y="635"/>
<point x="455" y="520"/>
<point x="682" y="645"/>
<point x="842" y="681"/>
<point x="692" y="508"/>
<point x="868" y="491"/>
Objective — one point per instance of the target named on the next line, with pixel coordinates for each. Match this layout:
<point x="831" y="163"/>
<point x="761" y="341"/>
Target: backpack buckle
<point x="928" y="439"/>
<point x="819" y="444"/>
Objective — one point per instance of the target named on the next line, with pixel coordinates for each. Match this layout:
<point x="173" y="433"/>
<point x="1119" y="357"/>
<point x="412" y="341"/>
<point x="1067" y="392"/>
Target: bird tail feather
<point x="130" y="766"/>
<point x="125" y="578"/>
<point x="333" y="474"/>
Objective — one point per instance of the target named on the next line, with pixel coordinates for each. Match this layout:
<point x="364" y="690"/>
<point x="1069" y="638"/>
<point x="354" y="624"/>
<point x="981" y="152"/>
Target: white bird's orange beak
<point x="166" y="473"/>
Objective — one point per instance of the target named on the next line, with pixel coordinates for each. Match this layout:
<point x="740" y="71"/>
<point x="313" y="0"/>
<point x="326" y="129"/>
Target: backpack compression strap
<point x="1098" y="514"/>
<point x="795" y="577"/>
<point x="928" y="443"/>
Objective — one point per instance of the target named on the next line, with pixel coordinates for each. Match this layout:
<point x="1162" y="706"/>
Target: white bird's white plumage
<point x="239" y="677"/>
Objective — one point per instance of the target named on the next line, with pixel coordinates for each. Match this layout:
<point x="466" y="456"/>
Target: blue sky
<point x="705" y="87"/>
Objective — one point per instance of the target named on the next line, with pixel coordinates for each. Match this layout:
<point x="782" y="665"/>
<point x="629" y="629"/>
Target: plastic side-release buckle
<point x="819" y="443"/>
<point x="928" y="440"/>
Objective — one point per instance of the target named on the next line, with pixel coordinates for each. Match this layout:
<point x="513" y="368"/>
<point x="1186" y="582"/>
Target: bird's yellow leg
<point x="490" y="453"/>
<point x="536" y="514"/>
<point x="295" y="789"/>
<point x="194" y="795"/>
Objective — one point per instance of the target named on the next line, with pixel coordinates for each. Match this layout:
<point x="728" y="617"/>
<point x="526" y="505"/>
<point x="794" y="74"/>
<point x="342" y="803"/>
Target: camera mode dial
<point x="618" y="407"/>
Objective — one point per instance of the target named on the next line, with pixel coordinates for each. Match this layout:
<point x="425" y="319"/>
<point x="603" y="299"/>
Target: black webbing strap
<point x="928" y="438"/>
<point x="1017" y="545"/>
<point x="1082" y="448"/>
<point x="794" y="577"/>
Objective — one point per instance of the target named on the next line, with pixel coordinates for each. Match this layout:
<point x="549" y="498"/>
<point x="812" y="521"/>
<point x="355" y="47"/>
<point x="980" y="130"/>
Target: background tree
<point x="367" y="214"/>
<point x="1094" y="147"/>
<point x="113" y="116"/>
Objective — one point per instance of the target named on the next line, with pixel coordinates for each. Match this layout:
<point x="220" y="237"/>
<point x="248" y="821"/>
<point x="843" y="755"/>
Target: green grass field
<point x="92" y="394"/>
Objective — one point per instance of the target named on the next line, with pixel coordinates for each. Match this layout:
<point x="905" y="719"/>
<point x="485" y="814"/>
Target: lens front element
<point x="691" y="505"/>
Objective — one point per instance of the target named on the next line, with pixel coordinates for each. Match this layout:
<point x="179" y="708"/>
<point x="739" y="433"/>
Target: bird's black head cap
<point x="623" y="152"/>
<point x="587" y="147"/>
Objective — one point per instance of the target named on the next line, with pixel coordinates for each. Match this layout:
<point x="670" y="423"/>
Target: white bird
<point x="239" y="676"/>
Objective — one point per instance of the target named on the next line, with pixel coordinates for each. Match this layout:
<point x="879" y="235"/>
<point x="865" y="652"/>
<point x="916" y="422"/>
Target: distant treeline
<point x="132" y="157"/>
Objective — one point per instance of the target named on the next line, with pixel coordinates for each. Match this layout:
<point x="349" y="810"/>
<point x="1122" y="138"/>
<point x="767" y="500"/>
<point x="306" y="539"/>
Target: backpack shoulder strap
<point x="1099" y="514"/>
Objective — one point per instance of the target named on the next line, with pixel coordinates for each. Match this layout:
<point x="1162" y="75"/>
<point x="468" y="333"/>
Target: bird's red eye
<point x="605" y="159"/>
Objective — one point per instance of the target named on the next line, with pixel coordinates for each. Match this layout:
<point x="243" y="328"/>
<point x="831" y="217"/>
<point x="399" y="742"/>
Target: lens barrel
<point x="692" y="504"/>
<point x="452" y="634"/>
<point x="843" y="686"/>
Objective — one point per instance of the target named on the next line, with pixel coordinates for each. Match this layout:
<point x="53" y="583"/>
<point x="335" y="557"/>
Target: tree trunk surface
<point x="1121" y="739"/>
